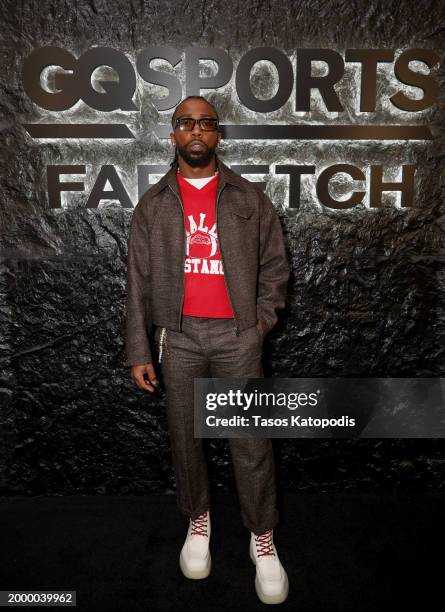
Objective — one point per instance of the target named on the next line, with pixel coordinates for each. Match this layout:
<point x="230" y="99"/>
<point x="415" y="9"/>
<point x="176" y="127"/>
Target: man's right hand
<point x="137" y="374"/>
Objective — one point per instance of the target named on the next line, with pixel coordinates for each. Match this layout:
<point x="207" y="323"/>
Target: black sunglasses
<point x="187" y="124"/>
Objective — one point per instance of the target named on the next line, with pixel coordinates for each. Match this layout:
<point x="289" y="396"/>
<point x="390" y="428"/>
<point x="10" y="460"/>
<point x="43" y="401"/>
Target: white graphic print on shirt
<point x="202" y="245"/>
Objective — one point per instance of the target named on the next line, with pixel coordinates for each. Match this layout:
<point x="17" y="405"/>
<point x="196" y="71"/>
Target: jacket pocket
<point x="242" y="214"/>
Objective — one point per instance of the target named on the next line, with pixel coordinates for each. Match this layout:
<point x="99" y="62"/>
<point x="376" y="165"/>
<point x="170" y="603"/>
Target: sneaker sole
<point x="195" y="574"/>
<point x="270" y="599"/>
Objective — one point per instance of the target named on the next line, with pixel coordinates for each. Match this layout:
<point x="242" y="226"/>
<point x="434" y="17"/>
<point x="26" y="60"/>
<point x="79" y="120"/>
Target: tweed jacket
<point x="251" y="245"/>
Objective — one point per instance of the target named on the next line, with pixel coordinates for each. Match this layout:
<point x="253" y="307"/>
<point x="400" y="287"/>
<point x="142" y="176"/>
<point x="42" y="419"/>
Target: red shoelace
<point x="199" y="525"/>
<point x="264" y="544"/>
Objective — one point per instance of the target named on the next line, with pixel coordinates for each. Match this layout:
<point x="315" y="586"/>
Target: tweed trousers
<point x="205" y="348"/>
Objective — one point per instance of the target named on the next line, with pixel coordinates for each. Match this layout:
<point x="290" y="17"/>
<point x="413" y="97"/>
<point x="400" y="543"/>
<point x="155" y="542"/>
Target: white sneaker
<point x="271" y="582"/>
<point x="194" y="560"/>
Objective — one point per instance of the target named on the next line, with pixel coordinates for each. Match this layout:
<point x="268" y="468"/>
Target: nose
<point x="196" y="128"/>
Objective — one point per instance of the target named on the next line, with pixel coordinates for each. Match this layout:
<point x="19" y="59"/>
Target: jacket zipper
<point x="222" y="260"/>
<point x="183" y="273"/>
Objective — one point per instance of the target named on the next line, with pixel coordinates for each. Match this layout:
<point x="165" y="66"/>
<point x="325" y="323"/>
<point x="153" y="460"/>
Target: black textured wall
<point x="366" y="296"/>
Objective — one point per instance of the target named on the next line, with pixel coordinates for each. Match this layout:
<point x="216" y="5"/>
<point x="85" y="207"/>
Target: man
<point x="207" y="267"/>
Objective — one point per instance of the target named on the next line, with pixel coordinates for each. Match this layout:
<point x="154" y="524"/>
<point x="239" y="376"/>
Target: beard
<point x="197" y="159"/>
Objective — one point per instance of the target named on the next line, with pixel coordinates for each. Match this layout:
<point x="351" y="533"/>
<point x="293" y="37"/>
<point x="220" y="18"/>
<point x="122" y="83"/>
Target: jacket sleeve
<point x="274" y="268"/>
<point x="137" y="343"/>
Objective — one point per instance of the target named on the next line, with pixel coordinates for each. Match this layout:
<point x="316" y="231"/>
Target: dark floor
<point x="341" y="552"/>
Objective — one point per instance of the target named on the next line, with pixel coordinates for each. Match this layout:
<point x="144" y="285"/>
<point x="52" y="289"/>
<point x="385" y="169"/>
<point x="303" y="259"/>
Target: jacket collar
<point x="226" y="175"/>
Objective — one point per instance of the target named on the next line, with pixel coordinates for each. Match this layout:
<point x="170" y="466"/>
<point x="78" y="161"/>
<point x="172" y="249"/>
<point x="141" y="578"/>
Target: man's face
<point x="196" y="147"/>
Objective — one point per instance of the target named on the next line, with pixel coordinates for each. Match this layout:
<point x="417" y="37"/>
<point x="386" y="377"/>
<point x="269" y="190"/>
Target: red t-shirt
<point x="205" y="288"/>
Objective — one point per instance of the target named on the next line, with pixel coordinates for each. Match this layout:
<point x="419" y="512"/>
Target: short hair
<point x="190" y="98"/>
<point x="175" y="159"/>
